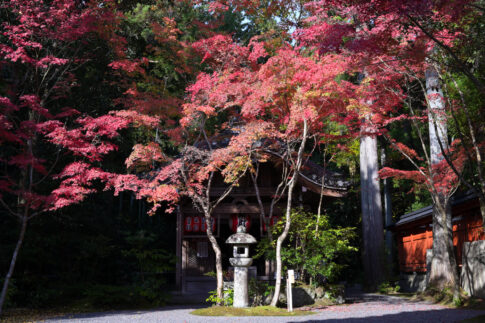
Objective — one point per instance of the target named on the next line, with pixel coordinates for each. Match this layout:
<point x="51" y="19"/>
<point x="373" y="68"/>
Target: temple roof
<point x="311" y="174"/>
<point x="427" y="211"/>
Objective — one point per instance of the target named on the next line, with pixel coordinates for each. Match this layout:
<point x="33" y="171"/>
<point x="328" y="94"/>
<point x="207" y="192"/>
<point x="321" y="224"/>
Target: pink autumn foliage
<point x="81" y="140"/>
<point x="59" y="20"/>
<point x="78" y="179"/>
<point x="129" y="66"/>
<point x="145" y="156"/>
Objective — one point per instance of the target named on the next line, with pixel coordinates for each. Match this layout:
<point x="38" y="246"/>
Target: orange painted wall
<point x="413" y="241"/>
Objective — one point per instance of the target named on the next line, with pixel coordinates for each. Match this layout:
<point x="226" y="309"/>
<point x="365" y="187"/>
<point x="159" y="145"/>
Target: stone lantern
<point x="241" y="261"/>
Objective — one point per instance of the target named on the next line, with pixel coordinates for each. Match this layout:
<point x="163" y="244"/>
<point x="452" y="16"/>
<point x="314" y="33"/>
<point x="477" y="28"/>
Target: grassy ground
<point x="31" y="315"/>
<point x="250" y="311"/>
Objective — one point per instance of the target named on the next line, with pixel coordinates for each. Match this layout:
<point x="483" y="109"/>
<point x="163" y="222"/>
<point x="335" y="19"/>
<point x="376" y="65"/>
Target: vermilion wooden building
<point x="413" y="233"/>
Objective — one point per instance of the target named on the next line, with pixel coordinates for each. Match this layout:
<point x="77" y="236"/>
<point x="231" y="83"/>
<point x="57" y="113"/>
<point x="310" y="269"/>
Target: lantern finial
<point x="241" y="226"/>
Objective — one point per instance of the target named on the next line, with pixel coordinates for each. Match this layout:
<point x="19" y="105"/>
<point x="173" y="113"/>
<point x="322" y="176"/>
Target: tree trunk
<point x="218" y="254"/>
<point x="372" y="228"/>
<point x="438" y="130"/>
<point x="283" y="236"/>
<point x="280" y="241"/>
<point x="262" y="214"/>
<point x="443" y="270"/>
<point x="20" y="240"/>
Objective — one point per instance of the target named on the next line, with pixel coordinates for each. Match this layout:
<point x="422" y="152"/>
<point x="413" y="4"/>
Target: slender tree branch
<point x="459" y="62"/>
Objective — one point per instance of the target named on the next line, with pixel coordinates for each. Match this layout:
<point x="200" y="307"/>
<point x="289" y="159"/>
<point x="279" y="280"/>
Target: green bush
<point x="316" y="255"/>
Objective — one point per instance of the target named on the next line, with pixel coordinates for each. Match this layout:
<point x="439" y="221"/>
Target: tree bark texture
<point x="436" y="116"/>
<point x="218" y="254"/>
<point x="443" y="270"/>
<point x="372" y="227"/>
<point x="280" y="241"/>
<point x="20" y="240"/>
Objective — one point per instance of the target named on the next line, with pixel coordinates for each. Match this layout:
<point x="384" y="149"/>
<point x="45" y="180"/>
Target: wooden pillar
<point x="178" y="249"/>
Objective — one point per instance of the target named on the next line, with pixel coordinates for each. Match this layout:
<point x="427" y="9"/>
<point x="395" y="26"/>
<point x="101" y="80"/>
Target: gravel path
<point x="363" y="308"/>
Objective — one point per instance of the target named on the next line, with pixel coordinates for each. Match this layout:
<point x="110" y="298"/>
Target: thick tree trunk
<point x="20" y="240"/>
<point x="372" y="228"/>
<point x="218" y="254"/>
<point x="443" y="270"/>
<point x="443" y="264"/>
<point x="438" y="131"/>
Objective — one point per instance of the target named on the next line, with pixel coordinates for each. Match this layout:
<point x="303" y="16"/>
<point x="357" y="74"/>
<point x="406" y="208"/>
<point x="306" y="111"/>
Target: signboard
<point x="291" y="276"/>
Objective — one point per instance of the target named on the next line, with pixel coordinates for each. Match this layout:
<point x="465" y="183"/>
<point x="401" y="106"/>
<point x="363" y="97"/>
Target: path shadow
<point x="444" y="316"/>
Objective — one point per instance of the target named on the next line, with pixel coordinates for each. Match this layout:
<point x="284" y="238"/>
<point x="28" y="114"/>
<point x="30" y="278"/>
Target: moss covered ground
<point x="250" y="311"/>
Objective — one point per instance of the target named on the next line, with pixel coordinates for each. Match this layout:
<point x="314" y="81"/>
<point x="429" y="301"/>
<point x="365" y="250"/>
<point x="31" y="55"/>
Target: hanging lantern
<point x="188" y="224"/>
<point x="234" y="222"/>
<point x="203" y="226"/>
<point x="196" y="222"/>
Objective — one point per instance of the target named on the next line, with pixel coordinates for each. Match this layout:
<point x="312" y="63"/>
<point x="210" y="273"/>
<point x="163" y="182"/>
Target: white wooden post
<point x="289" y="293"/>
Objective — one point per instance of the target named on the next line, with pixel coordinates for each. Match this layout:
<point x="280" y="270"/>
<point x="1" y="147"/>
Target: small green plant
<point x="458" y="301"/>
<point x="211" y="274"/>
<point x="227" y="300"/>
<point x="388" y="288"/>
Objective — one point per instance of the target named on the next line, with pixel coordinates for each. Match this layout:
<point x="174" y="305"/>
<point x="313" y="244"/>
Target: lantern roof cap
<point x="241" y="238"/>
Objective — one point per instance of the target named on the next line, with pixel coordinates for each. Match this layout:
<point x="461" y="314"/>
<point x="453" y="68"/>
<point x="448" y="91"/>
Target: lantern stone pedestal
<point x="241" y="261"/>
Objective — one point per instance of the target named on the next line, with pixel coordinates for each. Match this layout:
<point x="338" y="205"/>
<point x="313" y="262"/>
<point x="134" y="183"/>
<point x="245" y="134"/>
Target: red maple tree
<point x="390" y="44"/>
<point x="43" y="45"/>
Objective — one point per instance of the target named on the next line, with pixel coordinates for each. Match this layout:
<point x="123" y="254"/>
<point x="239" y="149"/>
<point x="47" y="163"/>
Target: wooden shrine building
<point x="195" y="257"/>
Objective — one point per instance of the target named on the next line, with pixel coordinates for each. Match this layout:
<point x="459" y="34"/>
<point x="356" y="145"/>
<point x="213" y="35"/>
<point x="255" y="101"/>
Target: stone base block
<point x="415" y="282"/>
<point x="473" y="269"/>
